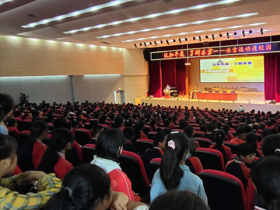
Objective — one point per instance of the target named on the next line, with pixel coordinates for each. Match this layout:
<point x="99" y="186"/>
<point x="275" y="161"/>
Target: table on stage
<point x="217" y="96"/>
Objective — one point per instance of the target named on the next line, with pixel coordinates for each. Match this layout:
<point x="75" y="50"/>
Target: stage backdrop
<point x="168" y="72"/>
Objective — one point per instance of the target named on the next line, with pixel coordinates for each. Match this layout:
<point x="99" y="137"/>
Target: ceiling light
<point x="150" y="43"/>
<point x="213" y="36"/>
<point x="221" y="35"/>
<point x="199" y="38"/>
<point x="250" y="32"/>
<point x="194" y="38"/>
<point x="155" y="43"/>
<point x="145" y="44"/>
<point x="161" y="42"/>
<point x="167" y="41"/>
<point x="194" y="32"/>
<point x="140" y="44"/>
<point x="206" y="36"/>
<point x="243" y="32"/>
<point x="180" y="40"/>
<point x="235" y="33"/>
<point x="186" y="39"/>
<point x="227" y="35"/>
<point x="174" y="26"/>
<point x="4" y="1"/>
<point x="261" y="31"/>
<point x="174" y="40"/>
<point x="135" y="45"/>
<point x="78" y="12"/>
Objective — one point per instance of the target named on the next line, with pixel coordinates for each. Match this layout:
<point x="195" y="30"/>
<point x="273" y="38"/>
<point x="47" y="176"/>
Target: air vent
<point x="106" y="43"/>
<point x="32" y="16"/>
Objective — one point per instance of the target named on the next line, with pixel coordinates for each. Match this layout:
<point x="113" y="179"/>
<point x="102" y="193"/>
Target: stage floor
<point x="258" y="105"/>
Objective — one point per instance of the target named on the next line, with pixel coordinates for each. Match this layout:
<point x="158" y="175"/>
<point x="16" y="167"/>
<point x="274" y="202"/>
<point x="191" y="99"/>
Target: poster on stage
<point x="236" y="69"/>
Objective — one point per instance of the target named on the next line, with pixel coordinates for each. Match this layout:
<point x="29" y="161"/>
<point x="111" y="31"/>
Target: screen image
<point x="236" y="69"/>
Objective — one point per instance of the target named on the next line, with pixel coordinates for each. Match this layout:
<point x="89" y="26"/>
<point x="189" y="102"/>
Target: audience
<point x="173" y="173"/>
<point x="189" y="131"/>
<point x="252" y="139"/>
<point x="159" y="142"/>
<point x="54" y="160"/>
<point x="128" y="133"/>
<point x="240" y="135"/>
<point x="271" y="145"/>
<point x="209" y="132"/>
<point x="6" y="109"/>
<point x="47" y="185"/>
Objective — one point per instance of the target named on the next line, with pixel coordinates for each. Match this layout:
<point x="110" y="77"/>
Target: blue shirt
<point x="189" y="182"/>
<point x="3" y="130"/>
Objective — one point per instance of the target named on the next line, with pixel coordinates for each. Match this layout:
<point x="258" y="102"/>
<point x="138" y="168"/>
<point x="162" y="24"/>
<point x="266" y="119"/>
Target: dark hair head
<point x="226" y="128"/>
<point x="251" y="138"/>
<point x="6" y="105"/>
<point x="97" y="130"/>
<point x="61" y="123"/>
<point x="266" y="132"/>
<point x="37" y="129"/>
<point x="178" y="200"/>
<point x="17" y="114"/>
<point x="83" y="188"/>
<point x="247" y="129"/>
<point x="60" y="138"/>
<point x="167" y="131"/>
<point x="219" y="125"/>
<point x="8" y="147"/>
<point x="118" y="121"/>
<point x="245" y="149"/>
<point x="255" y="127"/>
<point x="159" y="137"/>
<point x="220" y="136"/>
<point x="11" y="122"/>
<point x="128" y="133"/>
<point x="189" y="131"/>
<point x="210" y="127"/>
<point x="240" y="130"/>
<point x="271" y="145"/>
<point x="102" y="119"/>
<point x="74" y="123"/>
<point x="170" y="171"/>
<point x="166" y="123"/>
<point x="266" y="177"/>
<point x="108" y="144"/>
<point x="182" y="124"/>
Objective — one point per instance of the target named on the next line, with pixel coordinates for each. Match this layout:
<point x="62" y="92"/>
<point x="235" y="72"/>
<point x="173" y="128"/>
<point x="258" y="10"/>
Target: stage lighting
<point x="180" y="40"/>
<point x="261" y="31"/>
<point x="145" y="44"/>
<point x="221" y="34"/>
<point x="193" y="38"/>
<point x="243" y="32"/>
<point x="161" y="42"/>
<point x="213" y="36"/>
<point x="174" y="40"/>
<point x="227" y="35"/>
<point x="186" y="39"/>
<point x="135" y="45"/>
<point x="250" y="31"/>
<point x="155" y="43"/>
<point x="206" y="36"/>
<point x="235" y="33"/>
<point x="167" y="41"/>
<point x="140" y="44"/>
<point x="150" y="43"/>
<point x="199" y="38"/>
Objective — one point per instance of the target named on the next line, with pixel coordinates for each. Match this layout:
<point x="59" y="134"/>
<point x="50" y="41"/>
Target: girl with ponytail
<point x="173" y="173"/>
<point x="266" y="177"/>
<point x="34" y="151"/>
<point x="219" y="138"/>
<point x="54" y="158"/>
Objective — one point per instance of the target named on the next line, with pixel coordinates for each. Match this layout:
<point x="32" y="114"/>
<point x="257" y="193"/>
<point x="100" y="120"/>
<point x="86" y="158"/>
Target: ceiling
<point x="123" y="23"/>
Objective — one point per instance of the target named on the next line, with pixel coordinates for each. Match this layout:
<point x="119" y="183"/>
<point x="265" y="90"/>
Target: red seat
<point x="224" y="191"/>
<point x="147" y="129"/>
<point x="210" y="158"/>
<point x="82" y="136"/>
<point x="143" y="144"/>
<point x="151" y="154"/>
<point x="88" y="152"/>
<point x="133" y="166"/>
<point x="194" y="165"/>
<point x="151" y="134"/>
<point x="179" y="130"/>
<point x="197" y="145"/>
<point x="14" y="132"/>
<point x="153" y="167"/>
<point x="198" y="134"/>
<point x="74" y="156"/>
<point x="232" y="146"/>
<point x="203" y="142"/>
<point x="23" y="138"/>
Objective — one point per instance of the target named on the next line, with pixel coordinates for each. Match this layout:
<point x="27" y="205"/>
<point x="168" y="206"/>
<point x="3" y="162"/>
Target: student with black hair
<point x="159" y="142"/>
<point x="252" y="139"/>
<point x="266" y="132"/>
<point x="88" y="187"/>
<point x="173" y="173"/>
<point x="54" y="160"/>
<point x="34" y="150"/>
<point x="247" y="129"/>
<point x="266" y="178"/>
<point x="139" y="134"/>
<point x="228" y="134"/>
<point x="119" y="122"/>
<point x="209" y="132"/>
<point x="108" y="148"/>
<point x="128" y="133"/>
<point x="6" y="109"/>
<point x="237" y="167"/>
<point x="47" y="185"/>
<point x="178" y="200"/>
<point x="189" y="131"/>
<point x="271" y="145"/>
<point x="220" y="137"/>
<point x="75" y="124"/>
<point x="240" y="136"/>
<point x="11" y="123"/>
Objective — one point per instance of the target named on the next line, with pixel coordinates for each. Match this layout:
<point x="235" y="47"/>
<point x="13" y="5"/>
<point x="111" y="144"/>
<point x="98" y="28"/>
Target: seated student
<point x="108" y="148"/>
<point x="88" y="187"/>
<point x="96" y="131"/>
<point x="209" y="132"/>
<point x="251" y="138"/>
<point x="240" y="136"/>
<point x="226" y="129"/>
<point x="11" y="123"/>
<point x="167" y="131"/>
<point x="178" y="200"/>
<point x="159" y="142"/>
<point x="237" y="167"/>
<point x="102" y="123"/>
<point x="54" y="160"/>
<point x="189" y="131"/>
<point x="182" y="124"/>
<point x="119" y="122"/>
<point x="34" y="151"/>
<point x="28" y="116"/>
<point x="128" y="133"/>
<point x="220" y="137"/>
<point x="266" y="178"/>
<point x="271" y="145"/>
<point x="9" y="198"/>
<point x="6" y="109"/>
<point x="173" y="173"/>
<point x="139" y="134"/>
<point x="75" y="124"/>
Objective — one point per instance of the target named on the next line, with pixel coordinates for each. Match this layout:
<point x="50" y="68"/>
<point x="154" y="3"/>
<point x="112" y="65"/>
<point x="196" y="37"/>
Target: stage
<point x="258" y="105"/>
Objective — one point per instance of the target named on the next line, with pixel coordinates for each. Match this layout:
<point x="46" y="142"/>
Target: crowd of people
<point x="57" y="182"/>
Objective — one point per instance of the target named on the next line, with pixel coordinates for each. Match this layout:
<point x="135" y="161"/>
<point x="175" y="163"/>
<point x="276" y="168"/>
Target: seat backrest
<point x="210" y="158"/>
<point x="232" y="146"/>
<point x="204" y="142"/>
<point x="133" y="166"/>
<point x="154" y="165"/>
<point x="150" y="154"/>
<point x="88" y="153"/>
<point x="23" y="138"/>
<point x="151" y="134"/>
<point x="198" y="134"/>
<point x="82" y="136"/>
<point x="193" y="162"/>
<point x="143" y="144"/>
<point x="147" y="129"/>
<point x="74" y="155"/>
<point x="24" y="125"/>
<point x="14" y="132"/>
<point x="223" y="190"/>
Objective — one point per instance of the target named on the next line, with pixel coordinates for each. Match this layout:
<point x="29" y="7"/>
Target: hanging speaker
<point x="147" y="55"/>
